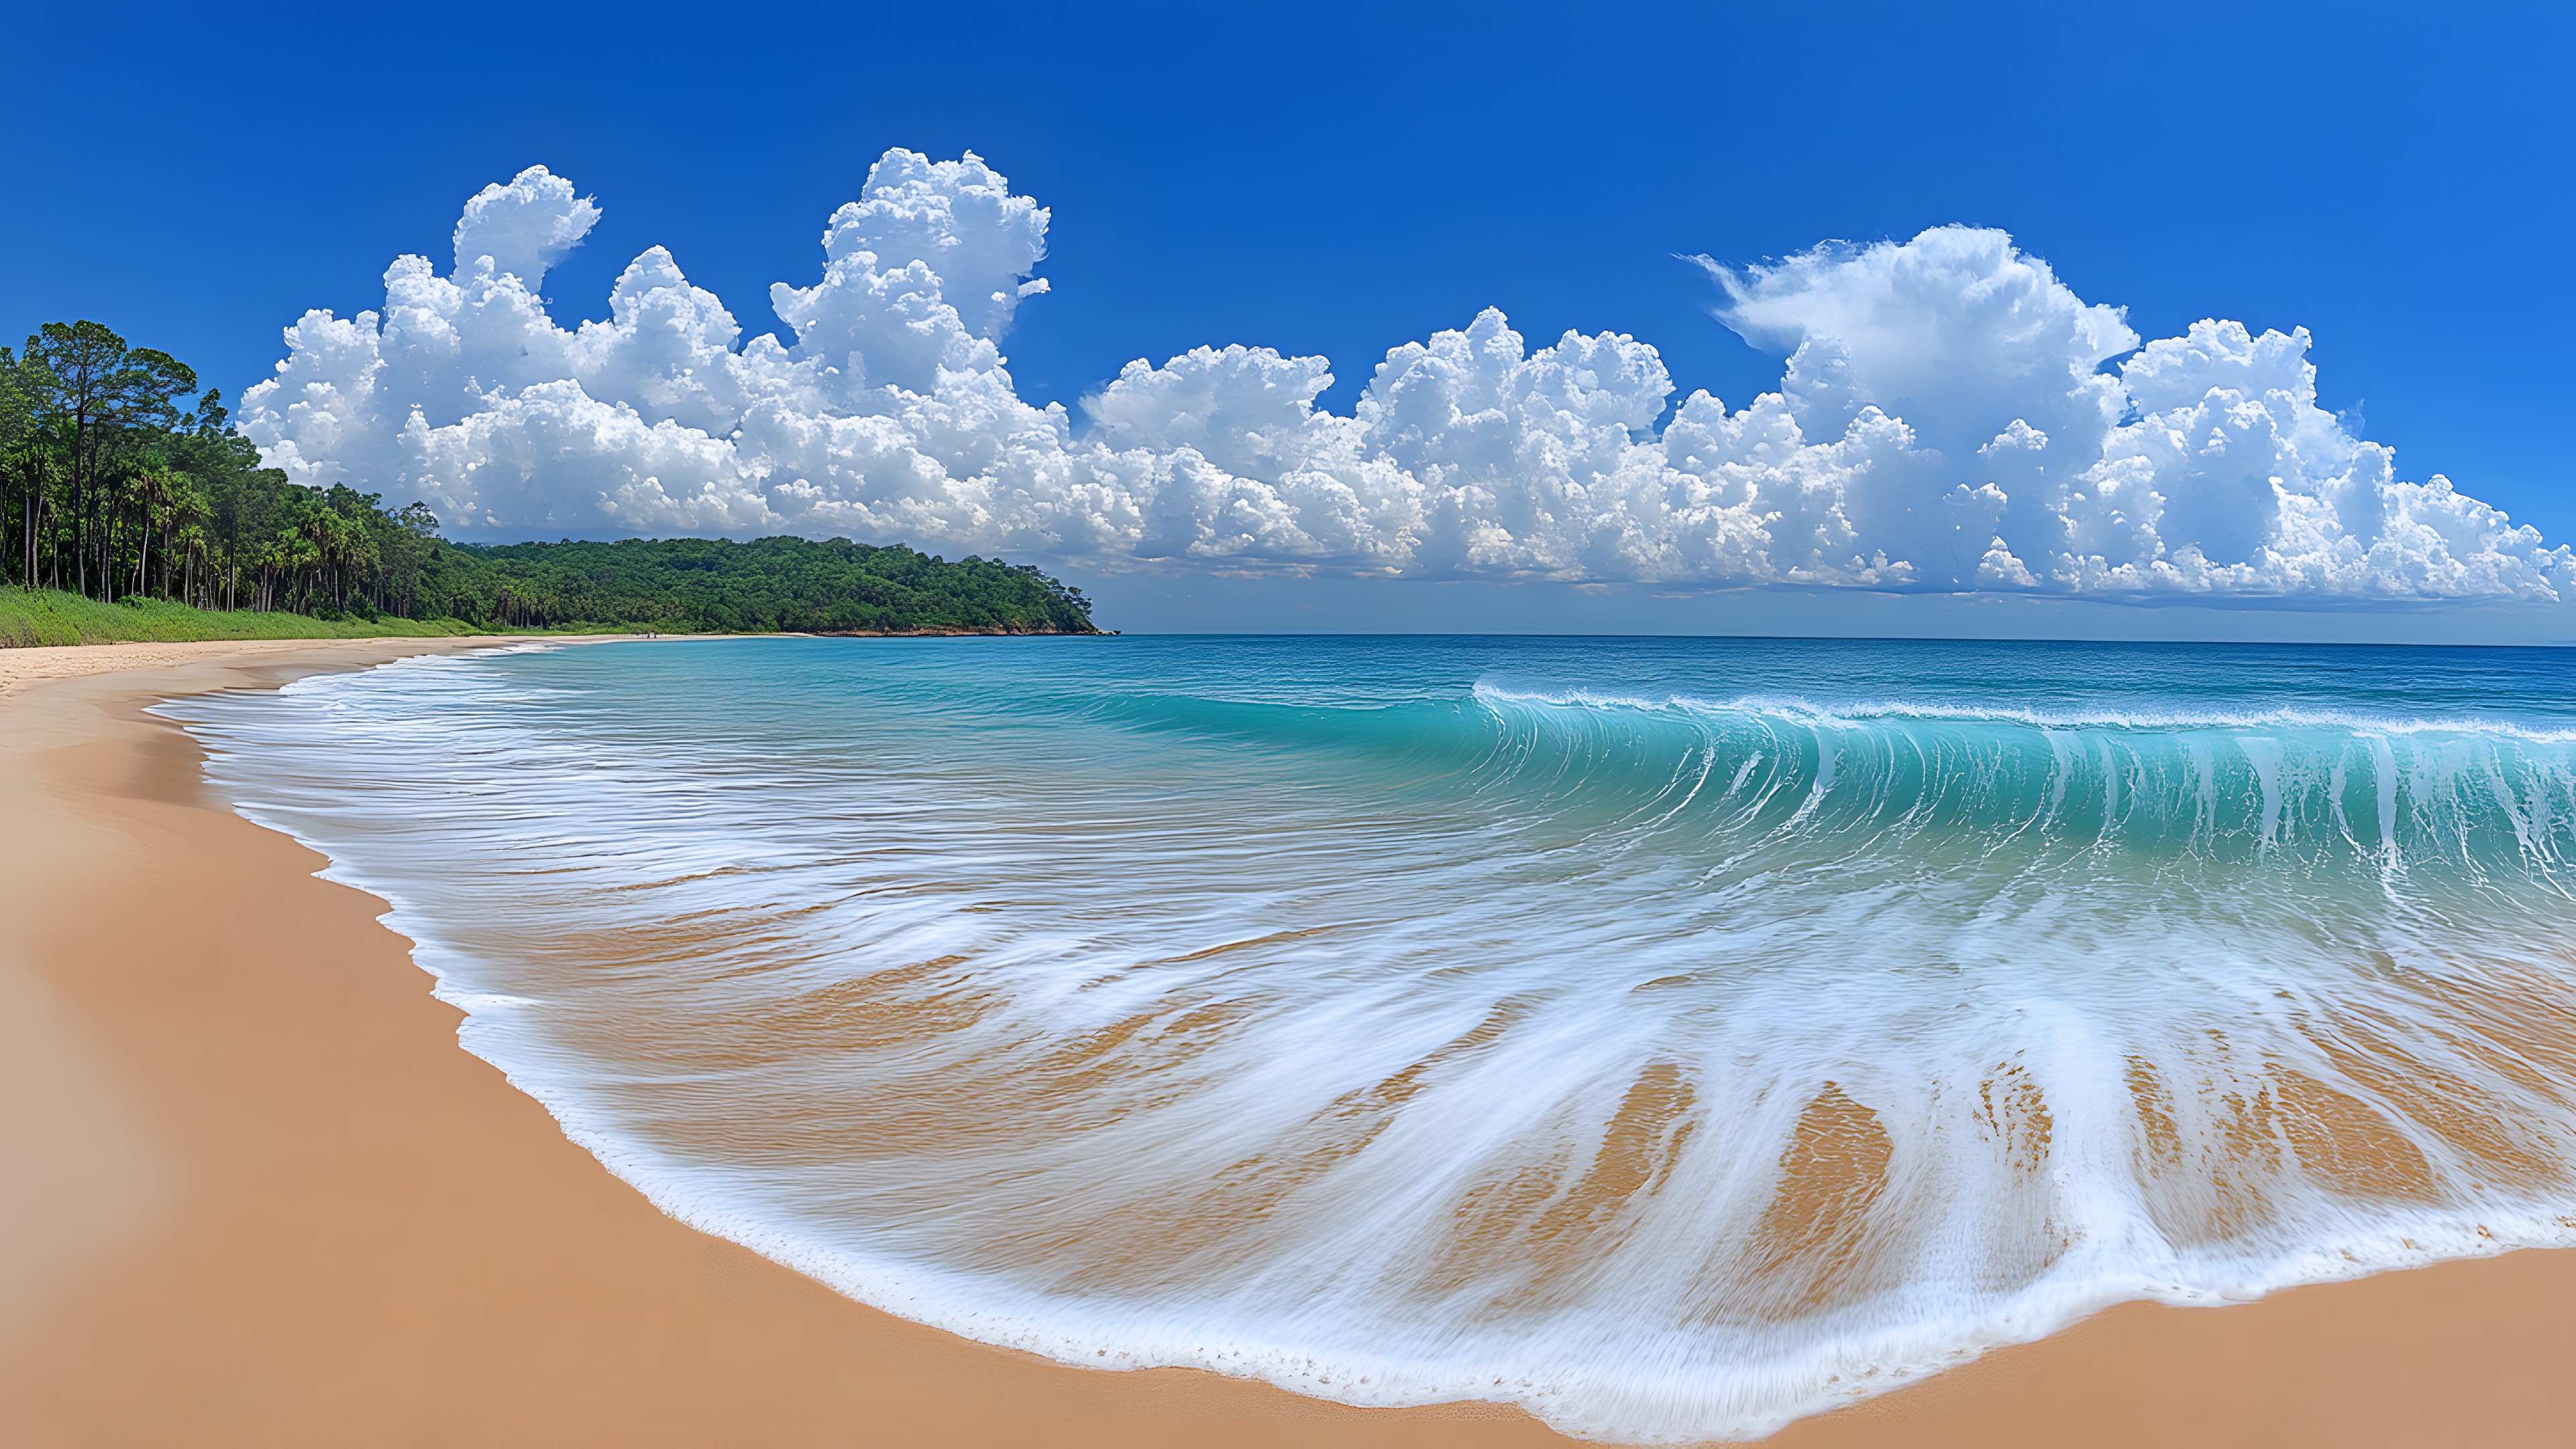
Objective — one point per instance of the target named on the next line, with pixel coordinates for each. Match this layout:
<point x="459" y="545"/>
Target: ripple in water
<point x="1627" y="1030"/>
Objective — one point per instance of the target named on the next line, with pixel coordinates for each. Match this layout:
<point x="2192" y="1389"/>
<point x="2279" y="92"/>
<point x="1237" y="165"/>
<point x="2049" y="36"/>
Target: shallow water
<point x="1671" y="1036"/>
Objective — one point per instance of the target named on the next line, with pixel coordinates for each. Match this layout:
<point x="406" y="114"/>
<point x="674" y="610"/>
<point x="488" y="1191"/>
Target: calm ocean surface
<point x="1671" y="1036"/>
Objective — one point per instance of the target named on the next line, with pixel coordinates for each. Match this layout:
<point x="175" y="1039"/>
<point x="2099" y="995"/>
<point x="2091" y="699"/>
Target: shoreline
<point x="263" y="1196"/>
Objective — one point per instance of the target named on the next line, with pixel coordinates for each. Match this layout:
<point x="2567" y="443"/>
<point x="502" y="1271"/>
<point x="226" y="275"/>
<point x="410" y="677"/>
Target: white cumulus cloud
<point x="1951" y="417"/>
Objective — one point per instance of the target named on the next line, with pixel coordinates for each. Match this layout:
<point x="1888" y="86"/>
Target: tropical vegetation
<point x="123" y="485"/>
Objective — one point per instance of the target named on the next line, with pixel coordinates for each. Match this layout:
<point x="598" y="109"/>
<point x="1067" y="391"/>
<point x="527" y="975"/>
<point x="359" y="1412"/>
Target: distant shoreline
<point x="588" y="635"/>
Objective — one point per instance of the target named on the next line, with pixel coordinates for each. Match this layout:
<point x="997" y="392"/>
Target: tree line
<point x="764" y="586"/>
<point x="119" y="479"/>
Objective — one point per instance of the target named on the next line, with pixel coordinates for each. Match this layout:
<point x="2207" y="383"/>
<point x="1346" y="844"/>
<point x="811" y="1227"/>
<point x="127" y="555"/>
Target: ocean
<point x="1671" y="1036"/>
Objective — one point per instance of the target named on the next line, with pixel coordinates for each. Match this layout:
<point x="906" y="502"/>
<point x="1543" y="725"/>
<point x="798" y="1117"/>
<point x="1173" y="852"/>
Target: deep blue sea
<point x="1671" y="1036"/>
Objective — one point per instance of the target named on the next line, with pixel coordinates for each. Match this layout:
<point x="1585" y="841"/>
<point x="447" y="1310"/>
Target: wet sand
<point x="256" y="1194"/>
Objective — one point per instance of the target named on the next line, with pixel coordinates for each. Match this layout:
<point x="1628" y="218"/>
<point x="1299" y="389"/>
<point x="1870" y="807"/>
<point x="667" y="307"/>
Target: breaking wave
<point x="1672" y="1053"/>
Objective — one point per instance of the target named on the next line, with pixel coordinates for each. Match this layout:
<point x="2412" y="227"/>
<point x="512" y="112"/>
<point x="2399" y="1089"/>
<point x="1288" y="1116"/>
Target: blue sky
<point x="1341" y="180"/>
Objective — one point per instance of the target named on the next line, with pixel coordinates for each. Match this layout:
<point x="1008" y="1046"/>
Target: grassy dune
<point x="47" y="616"/>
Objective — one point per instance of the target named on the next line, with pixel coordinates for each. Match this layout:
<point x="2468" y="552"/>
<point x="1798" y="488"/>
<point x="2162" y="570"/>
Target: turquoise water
<point x="1672" y="1036"/>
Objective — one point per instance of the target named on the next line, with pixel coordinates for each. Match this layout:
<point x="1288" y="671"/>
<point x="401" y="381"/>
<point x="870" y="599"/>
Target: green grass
<point x="48" y="616"/>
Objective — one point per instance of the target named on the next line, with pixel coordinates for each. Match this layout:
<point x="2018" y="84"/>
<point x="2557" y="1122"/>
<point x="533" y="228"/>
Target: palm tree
<point x="186" y="510"/>
<point x="156" y="491"/>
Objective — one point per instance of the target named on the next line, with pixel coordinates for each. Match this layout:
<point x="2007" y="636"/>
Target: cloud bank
<point x="1950" y="419"/>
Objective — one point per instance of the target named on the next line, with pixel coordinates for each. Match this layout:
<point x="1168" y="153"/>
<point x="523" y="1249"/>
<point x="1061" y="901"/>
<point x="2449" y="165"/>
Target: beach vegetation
<point x="125" y="487"/>
<point x="53" y="616"/>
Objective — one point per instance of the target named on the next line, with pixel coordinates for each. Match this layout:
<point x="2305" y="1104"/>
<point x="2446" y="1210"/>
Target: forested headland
<point x="122" y="484"/>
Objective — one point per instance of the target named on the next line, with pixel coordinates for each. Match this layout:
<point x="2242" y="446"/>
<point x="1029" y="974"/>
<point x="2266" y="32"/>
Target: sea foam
<point x="1653" y="1036"/>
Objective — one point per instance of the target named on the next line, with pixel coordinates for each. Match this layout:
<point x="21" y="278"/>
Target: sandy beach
<point x="257" y="1194"/>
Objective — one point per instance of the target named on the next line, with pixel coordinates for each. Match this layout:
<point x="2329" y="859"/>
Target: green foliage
<point x="50" y="616"/>
<point x="772" y="584"/>
<point x="114" y="487"/>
